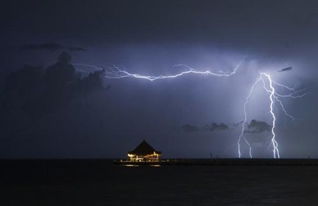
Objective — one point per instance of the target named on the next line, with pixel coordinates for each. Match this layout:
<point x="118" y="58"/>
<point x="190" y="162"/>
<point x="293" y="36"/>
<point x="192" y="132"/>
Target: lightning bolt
<point x="244" y="123"/>
<point x="271" y="98"/>
<point x="115" y="72"/>
<point x="268" y="85"/>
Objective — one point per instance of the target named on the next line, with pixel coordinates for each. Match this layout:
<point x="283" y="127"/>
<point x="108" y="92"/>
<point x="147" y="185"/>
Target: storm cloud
<point x="256" y="126"/>
<point x="286" y="69"/>
<point x="190" y="128"/>
<point x="34" y="97"/>
<point x="213" y="127"/>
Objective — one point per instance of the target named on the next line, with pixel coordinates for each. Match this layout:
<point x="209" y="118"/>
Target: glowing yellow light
<point x="130" y="165"/>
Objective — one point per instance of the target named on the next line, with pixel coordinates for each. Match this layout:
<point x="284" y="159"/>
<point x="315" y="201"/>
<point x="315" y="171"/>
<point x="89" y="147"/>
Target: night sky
<point x="50" y="114"/>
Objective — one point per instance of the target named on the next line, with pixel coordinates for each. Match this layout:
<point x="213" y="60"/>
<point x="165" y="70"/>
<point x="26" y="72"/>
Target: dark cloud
<point x="286" y="69"/>
<point x="210" y="128"/>
<point x="215" y="127"/>
<point x="257" y="127"/>
<point x="190" y="128"/>
<point x="33" y="95"/>
<point x="49" y="47"/>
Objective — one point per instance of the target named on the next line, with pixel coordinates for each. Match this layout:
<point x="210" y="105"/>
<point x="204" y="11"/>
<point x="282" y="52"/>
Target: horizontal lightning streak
<point x="117" y="73"/>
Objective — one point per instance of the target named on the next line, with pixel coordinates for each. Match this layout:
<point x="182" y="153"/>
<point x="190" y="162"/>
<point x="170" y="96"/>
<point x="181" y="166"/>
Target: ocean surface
<point x="99" y="182"/>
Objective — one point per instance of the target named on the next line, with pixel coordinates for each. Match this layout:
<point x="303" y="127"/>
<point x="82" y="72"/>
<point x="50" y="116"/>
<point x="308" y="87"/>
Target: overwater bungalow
<point x="144" y="153"/>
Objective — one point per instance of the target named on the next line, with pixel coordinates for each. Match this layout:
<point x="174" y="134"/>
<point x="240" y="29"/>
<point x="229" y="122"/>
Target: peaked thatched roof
<point x="143" y="149"/>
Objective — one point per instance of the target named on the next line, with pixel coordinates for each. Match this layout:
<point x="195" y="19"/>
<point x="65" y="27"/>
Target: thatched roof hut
<point x="144" y="152"/>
